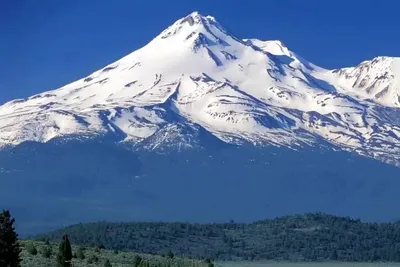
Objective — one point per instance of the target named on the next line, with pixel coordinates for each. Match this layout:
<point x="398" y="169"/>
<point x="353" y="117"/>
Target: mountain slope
<point x="238" y="90"/>
<point x="49" y="185"/>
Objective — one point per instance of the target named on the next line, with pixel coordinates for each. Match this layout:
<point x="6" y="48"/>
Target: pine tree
<point x="334" y="255"/>
<point x="137" y="260"/>
<point x="170" y="254"/>
<point x="9" y="247"/>
<point x="64" y="256"/>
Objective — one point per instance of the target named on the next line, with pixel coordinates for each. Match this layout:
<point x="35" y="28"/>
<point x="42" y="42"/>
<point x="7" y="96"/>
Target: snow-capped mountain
<point x="197" y="79"/>
<point x="377" y="79"/>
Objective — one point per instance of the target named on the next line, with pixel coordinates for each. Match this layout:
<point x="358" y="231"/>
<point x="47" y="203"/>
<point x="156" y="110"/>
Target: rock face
<point x="197" y="87"/>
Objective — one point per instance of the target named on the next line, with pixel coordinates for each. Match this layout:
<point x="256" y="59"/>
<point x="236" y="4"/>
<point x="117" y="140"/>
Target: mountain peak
<point x="238" y="90"/>
<point x="192" y="19"/>
<point x="189" y="25"/>
<point x="196" y="18"/>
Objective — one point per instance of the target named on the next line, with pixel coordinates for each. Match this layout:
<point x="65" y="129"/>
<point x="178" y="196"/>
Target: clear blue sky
<point x="45" y="44"/>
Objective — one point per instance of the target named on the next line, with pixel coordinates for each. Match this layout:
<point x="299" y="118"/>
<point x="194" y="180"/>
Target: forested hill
<point x="309" y="237"/>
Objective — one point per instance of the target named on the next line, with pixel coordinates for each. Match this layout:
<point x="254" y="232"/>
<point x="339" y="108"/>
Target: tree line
<point x="308" y="237"/>
<point x="11" y="255"/>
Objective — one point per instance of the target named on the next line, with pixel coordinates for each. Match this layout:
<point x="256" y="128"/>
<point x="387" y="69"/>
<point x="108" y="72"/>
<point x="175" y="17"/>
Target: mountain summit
<point x="196" y="79"/>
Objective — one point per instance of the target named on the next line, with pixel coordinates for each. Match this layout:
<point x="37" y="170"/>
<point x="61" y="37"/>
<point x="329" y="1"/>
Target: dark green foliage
<point x="107" y="263"/>
<point x="334" y="255"/>
<point x="9" y="247"/>
<point x="145" y="264"/>
<point x="307" y="237"/>
<point x="47" y="251"/>
<point x="80" y="253"/>
<point x="209" y="263"/>
<point x="137" y="260"/>
<point x="170" y="254"/>
<point x="93" y="259"/>
<point x="30" y="247"/>
<point x="64" y="256"/>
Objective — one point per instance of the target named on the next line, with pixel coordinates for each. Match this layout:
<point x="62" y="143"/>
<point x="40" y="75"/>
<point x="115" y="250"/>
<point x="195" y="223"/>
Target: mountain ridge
<point x="239" y="90"/>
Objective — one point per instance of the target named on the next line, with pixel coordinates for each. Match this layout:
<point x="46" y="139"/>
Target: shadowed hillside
<point x="51" y="185"/>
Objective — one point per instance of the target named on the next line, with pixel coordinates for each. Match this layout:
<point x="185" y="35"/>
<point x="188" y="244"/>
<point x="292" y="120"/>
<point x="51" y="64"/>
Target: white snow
<point x="258" y="91"/>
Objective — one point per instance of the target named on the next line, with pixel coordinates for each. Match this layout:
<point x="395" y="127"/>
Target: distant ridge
<point x="309" y="237"/>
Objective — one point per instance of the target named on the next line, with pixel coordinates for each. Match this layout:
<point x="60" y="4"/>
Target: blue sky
<point x="48" y="43"/>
